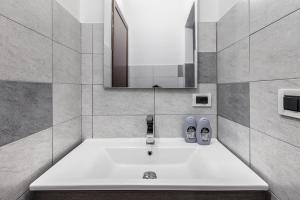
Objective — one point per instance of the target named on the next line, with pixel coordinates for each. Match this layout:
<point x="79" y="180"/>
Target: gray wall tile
<point x="233" y="63"/>
<point x="264" y="111"/>
<point x="169" y="126"/>
<point x="178" y="101"/>
<point x="234" y="25"/>
<point x="87" y="69"/>
<point x="66" y="102"/>
<point x="207" y="33"/>
<point x="22" y="162"/>
<point x="86" y="38"/>
<point x="207" y="67"/>
<point x="265" y="12"/>
<point x="87" y="127"/>
<point x="122" y="102"/>
<point x="66" y="29"/>
<point x="234" y="102"/>
<point x="87" y="99"/>
<point x="66" y="65"/>
<point x="119" y="126"/>
<point x="25" y="109"/>
<point x="24" y="54"/>
<point x="66" y="136"/>
<point x="98" y="69"/>
<point x="278" y="163"/>
<point x="274" y="52"/>
<point x="236" y="137"/>
<point x="36" y="14"/>
<point x="98" y="38"/>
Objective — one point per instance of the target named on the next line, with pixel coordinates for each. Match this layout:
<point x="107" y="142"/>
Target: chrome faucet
<point x="150" y="137"/>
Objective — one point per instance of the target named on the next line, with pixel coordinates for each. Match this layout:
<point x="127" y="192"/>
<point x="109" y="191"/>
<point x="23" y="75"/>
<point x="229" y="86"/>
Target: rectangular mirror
<point x="150" y="43"/>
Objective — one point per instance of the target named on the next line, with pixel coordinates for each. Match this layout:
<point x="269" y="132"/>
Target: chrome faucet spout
<point x="150" y="137"/>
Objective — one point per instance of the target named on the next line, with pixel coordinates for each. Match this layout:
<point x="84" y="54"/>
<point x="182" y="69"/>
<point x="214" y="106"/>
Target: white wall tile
<point x="66" y="65"/>
<point x="87" y="69"/>
<point x="264" y="110"/>
<point x="24" y="54"/>
<point x="66" y="136"/>
<point x="87" y="99"/>
<point x="278" y="163"/>
<point x="274" y="52"/>
<point x="87" y="127"/>
<point x="98" y="64"/>
<point x="123" y="101"/>
<point x="233" y="63"/>
<point x="236" y="137"/>
<point x="66" y="102"/>
<point x="22" y="162"/>
<point x="119" y="126"/>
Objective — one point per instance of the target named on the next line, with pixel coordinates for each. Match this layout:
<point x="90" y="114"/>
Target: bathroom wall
<point x="109" y="113"/>
<point x="258" y="53"/>
<point x="40" y="92"/>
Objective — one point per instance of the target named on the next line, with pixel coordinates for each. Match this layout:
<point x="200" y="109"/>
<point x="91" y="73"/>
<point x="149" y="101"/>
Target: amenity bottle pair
<point x="197" y="131"/>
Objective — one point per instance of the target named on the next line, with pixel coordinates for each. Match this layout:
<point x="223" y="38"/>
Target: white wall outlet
<point x="202" y="100"/>
<point x="283" y="93"/>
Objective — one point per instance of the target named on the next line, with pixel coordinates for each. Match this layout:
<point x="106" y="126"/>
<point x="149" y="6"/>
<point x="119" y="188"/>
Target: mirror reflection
<point x="150" y="43"/>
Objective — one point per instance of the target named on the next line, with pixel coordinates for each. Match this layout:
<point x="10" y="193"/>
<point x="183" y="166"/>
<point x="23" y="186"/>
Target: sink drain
<point x="150" y="175"/>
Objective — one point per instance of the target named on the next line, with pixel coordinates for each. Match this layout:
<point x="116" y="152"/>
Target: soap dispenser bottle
<point x="189" y="130"/>
<point x="204" y="132"/>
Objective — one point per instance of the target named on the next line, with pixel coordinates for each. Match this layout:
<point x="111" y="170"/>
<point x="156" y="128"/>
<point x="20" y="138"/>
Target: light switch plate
<point x="288" y="92"/>
<point x="208" y="104"/>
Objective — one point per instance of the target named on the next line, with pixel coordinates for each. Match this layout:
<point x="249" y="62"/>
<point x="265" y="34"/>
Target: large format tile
<point x="24" y="54"/>
<point x="178" y="101"/>
<point x="264" y="110"/>
<point x="87" y="127"/>
<point x="98" y="69"/>
<point x="66" y="65"/>
<point x="207" y="33"/>
<point x="87" y="69"/>
<point x="171" y="125"/>
<point x="234" y="25"/>
<point x="267" y="11"/>
<point x="66" y="28"/>
<point x="66" y="136"/>
<point x="278" y="163"/>
<point x="86" y="38"/>
<point x="34" y="14"/>
<point x="87" y="99"/>
<point x="235" y="136"/>
<point x="98" y="38"/>
<point x="275" y="50"/>
<point x="233" y="63"/>
<point x="107" y="67"/>
<point x="25" y="109"/>
<point x="122" y="102"/>
<point x="207" y="67"/>
<point x="66" y="102"/>
<point x="22" y="162"/>
<point x="119" y="126"/>
<point x="234" y="102"/>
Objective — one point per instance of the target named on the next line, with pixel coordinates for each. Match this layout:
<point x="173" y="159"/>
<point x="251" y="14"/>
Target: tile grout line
<point x="92" y="80"/>
<point x="52" y="27"/>
<point x="276" y="138"/>
<point x="249" y="72"/>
